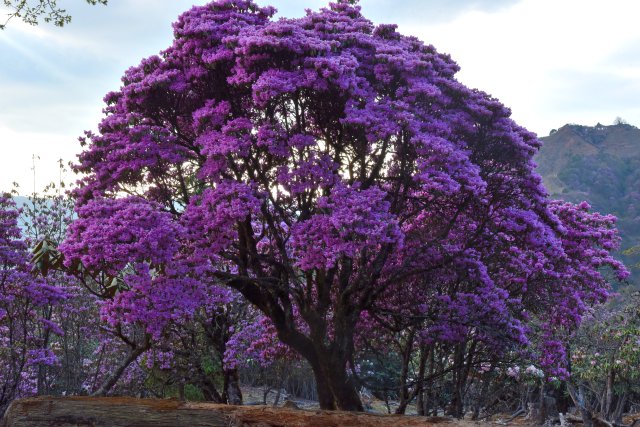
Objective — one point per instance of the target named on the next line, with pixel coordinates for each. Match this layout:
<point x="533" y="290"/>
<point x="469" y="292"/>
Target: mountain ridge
<point x="599" y="164"/>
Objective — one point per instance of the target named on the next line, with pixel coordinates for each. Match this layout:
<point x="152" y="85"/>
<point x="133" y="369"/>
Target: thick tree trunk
<point x="328" y="357"/>
<point x="463" y="359"/>
<point x="336" y="390"/>
<point x="232" y="387"/>
<point x="329" y="361"/>
<point x="326" y="399"/>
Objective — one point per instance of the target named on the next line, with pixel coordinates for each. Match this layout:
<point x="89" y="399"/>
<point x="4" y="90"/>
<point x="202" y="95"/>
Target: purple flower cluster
<point x="22" y="349"/>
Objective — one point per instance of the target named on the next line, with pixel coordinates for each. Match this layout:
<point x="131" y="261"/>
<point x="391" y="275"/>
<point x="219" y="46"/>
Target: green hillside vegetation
<point x="599" y="164"/>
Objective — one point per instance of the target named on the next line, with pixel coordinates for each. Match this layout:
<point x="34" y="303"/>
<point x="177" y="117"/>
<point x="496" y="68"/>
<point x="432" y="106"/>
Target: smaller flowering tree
<point x="254" y="347"/>
<point x="43" y="221"/>
<point x="86" y="353"/>
<point x="152" y="303"/>
<point x="201" y="350"/>
<point x="22" y="349"/>
<point x="126" y="261"/>
<point x="483" y="309"/>
<point x="604" y="360"/>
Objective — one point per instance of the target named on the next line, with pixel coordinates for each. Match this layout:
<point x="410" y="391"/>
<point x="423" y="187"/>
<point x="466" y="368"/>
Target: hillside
<point x="599" y="164"/>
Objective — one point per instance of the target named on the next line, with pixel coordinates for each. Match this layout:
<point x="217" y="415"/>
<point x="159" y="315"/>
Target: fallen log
<point x="130" y="412"/>
<point x="597" y="421"/>
<point x="114" y="411"/>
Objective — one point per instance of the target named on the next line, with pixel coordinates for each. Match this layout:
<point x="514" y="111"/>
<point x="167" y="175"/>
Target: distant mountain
<point x="599" y="164"/>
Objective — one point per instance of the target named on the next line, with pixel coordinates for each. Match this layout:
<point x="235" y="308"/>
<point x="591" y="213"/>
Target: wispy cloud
<point x="551" y="62"/>
<point x="33" y="56"/>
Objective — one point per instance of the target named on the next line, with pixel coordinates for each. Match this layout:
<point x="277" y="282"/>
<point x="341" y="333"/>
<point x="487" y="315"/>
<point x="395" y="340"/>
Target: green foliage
<point x="609" y="344"/>
<point x="610" y="185"/>
<point x="193" y="393"/>
<point x="211" y="366"/>
<point x="32" y="11"/>
<point x="380" y="373"/>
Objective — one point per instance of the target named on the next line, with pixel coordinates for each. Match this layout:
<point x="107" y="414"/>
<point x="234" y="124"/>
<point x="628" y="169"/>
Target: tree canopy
<point x="338" y="176"/>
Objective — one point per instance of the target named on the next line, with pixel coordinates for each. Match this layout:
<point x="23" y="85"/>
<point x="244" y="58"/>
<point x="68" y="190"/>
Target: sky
<point x="552" y="62"/>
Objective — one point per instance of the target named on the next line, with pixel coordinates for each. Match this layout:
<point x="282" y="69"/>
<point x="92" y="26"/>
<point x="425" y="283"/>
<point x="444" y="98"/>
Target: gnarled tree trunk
<point x="329" y="356"/>
<point x="336" y="389"/>
<point x="329" y="361"/>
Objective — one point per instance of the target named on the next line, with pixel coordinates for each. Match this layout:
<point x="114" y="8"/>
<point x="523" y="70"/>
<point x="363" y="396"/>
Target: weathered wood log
<point x="597" y="421"/>
<point x="131" y="412"/>
<point x="115" y="412"/>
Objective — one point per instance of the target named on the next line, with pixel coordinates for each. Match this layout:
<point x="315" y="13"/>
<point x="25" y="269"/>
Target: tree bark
<point x="463" y="359"/>
<point x="112" y="379"/>
<point x="326" y="399"/>
<point x="126" y="412"/>
<point x="616" y="416"/>
<point x="578" y="400"/>
<point x="232" y="387"/>
<point x="336" y="390"/>
<point x="609" y="394"/>
<point x="209" y="389"/>
<point x="405" y="395"/>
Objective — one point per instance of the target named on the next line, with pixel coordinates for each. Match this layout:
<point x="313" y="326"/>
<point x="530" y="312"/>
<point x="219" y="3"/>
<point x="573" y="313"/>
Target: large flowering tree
<point x="321" y="166"/>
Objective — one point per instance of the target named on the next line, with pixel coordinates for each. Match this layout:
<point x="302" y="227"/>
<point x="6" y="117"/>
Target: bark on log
<point x="597" y="421"/>
<point x="130" y="412"/>
<point x="113" y="412"/>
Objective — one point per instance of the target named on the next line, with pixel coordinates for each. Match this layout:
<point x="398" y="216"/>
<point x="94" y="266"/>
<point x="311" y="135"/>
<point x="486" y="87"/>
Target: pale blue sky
<point x="551" y="61"/>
